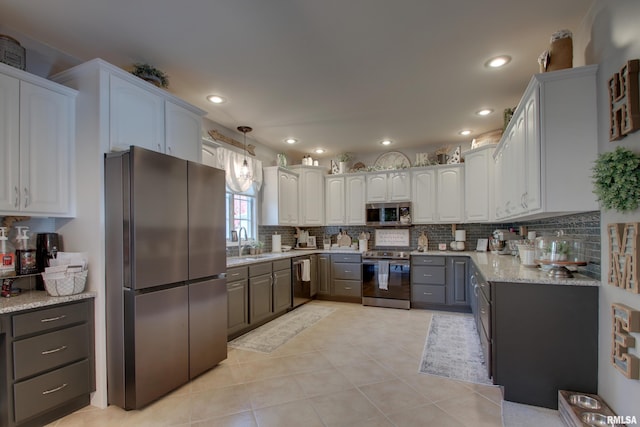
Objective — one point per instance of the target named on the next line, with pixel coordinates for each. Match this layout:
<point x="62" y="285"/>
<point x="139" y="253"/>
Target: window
<point x="241" y="213"/>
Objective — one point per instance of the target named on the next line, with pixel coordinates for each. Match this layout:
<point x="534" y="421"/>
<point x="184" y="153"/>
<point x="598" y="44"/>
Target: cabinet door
<point x="533" y="198"/>
<point x="311" y="184"/>
<point x="9" y="143"/>
<point x="498" y="186"/>
<point x="377" y="187"/>
<point x="136" y="117"/>
<point x="399" y="186"/>
<point x="207" y="325"/>
<point x="260" y="297"/>
<point x="47" y="130"/>
<point x="457" y="281"/>
<point x="281" y="290"/>
<point x="424" y="196"/>
<point x="335" y="201"/>
<point x="354" y="202"/>
<point x="237" y="306"/>
<point x="288" y="198"/>
<point x="477" y="186"/>
<point x="183" y="130"/>
<point x="324" y="275"/>
<point x="450" y="197"/>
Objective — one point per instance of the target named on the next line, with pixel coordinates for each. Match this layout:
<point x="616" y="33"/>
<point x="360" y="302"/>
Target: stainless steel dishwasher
<point x="304" y="290"/>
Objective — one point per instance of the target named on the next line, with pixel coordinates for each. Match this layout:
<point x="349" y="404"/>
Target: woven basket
<point x="71" y="284"/>
<point x="11" y="53"/>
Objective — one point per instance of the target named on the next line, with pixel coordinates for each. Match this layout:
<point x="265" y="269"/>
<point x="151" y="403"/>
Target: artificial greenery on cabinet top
<point x="616" y="178"/>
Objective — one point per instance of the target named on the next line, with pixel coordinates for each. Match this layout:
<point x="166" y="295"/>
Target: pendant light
<point x="245" y="172"/>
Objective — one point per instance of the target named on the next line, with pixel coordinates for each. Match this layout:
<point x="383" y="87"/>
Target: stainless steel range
<point x="386" y="279"/>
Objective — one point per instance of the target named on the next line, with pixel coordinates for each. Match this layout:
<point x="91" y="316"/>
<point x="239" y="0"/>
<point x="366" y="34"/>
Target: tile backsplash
<point x="585" y="226"/>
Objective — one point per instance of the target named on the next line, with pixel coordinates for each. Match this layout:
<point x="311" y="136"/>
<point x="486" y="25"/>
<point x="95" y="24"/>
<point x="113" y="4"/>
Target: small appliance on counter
<point x="498" y="243"/>
<point x="47" y="247"/>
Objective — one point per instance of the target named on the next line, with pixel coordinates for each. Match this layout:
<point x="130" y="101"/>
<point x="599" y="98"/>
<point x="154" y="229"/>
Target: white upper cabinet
<point x="135" y="112"/>
<point x="438" y="194"/>
<point x="544" y="160"/>
<point x="394" y="186"/>
<point x="279" y="197"/>
<point x="345" y="199"/>
<point x="37" y="141"/>
<point x="137" y="117"/>
<point x="310" y="195"/>
<point x="478" y="184"/>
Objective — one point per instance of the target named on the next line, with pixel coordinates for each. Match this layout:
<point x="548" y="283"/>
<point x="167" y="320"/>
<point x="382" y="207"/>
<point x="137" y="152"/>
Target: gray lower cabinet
<point x="48" y="363"/>
<point x="346" y="277"/>
<point x="324" y="275"/>
<point x="260" y="297"/>
<point x="237" y="299"/>
<point x="439" y="282"/>
<point x="281" y="286"/>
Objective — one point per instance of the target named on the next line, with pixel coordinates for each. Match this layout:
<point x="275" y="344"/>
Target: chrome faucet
<point x="246" y="238"/>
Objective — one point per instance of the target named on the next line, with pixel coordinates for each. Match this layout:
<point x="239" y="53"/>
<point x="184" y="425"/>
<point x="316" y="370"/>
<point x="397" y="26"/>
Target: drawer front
<point x="347" y="271"/>
<point x="428" y="260"/>
<point x="50" y="318"/>
<point x="259" y="269"/>
<point x="485" y="288"/>
<point x="282" y="264"/>
<point x="349" y="288"/>
<point x="486" y="351"/>
<point x="428" y="275"/>
<point x="433" y="294"/>
<point x="47" y="351"/>
<point x="47" y="391"/>
<point x="345" y="258"/>
<point x="237" y="273"/>
<point x="485" y="313"/>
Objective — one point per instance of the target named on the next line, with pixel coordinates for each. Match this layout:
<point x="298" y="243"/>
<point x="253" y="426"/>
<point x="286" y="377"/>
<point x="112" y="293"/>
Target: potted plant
<point x="616" y="178"/>
<point x="151" y="74"/>
<point x="342" y="161"/>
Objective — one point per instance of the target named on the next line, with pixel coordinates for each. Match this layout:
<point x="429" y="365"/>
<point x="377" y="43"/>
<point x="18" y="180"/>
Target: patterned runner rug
<point x="272" y="335"/>
<point x="453" y="350"/>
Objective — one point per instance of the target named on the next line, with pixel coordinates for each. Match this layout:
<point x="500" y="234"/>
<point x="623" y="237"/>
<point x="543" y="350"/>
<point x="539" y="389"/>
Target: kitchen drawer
<point x="49" y="390"/>
<point x="260" y="269"/>
<point x="433" y="294"/>
<point x="237" y="273"/>
<point x="485" y="313"/>
<point x="282" y="264"/>
<point x="347" y="271"/>
<point x="428" y="275"/>
<point x="47" y="351"/>
<point x="485" y="288"/>
<point x="345" y="258"/>
<point x="485" y="343"/>
<point x="428" y="260"/>
<point x="348" y="288"/>
<point x="50" y="318"/>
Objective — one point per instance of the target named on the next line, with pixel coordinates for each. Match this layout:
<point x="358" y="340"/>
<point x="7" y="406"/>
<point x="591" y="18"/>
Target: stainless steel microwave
<point x="388" y="214"/>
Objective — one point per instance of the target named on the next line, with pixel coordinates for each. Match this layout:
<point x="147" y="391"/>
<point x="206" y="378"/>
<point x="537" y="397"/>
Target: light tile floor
<point x="356" y="367"/>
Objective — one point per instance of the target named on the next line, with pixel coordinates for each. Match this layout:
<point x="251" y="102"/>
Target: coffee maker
<point x="47" y="246"/>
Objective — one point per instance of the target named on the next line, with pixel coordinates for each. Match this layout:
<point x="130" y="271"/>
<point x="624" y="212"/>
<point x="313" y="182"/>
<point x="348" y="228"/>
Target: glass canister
<point x="561" y="249"/>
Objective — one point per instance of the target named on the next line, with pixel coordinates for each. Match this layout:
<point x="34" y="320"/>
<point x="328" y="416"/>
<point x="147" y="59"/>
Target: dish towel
<point x="383" y="275"/>
<point x="306" y="270"/>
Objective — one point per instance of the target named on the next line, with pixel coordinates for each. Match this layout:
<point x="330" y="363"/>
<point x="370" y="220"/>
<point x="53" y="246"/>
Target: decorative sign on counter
<point x="623" y="101"/>
<point x="623" y="256"/>
<point x="392" y="237"/>
<point x="625" y="320"/>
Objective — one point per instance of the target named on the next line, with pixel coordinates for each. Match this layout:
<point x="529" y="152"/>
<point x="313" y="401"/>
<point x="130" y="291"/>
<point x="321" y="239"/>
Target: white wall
<point x="611" y="36"/>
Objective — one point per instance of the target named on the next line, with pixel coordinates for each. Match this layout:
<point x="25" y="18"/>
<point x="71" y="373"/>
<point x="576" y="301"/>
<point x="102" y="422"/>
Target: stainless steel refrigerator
<point x="165" y="274"/>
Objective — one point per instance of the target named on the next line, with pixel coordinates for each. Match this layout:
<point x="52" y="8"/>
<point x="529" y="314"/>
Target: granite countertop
<point x="494" y="268"/>
<point x="36" y="299"/>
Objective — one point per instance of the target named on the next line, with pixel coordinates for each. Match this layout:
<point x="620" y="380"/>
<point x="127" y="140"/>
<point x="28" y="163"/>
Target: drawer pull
<point x="348" y="288"/>
<point x="428" y="293"/>
<point x="53" y="390"/>
<point x="428" y="275"/>
<point x="55" y="350"/>
<point x="347" y="271"/>
<point x="235" y="274"/>
<point x="53" y="319"/>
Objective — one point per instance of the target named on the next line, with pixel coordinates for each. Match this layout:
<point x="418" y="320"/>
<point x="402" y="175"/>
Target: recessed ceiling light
<point x="290" y="140"/>
<point x="386" y="142"/>
<point x="498" y="61"/>
<point x="484" y="112"/>
<point x="319" y="150"/>
<point x="216" y="99"/>
<point x="465" y="132"/>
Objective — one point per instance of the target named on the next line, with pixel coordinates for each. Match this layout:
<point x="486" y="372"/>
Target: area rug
<point x="272" y="335"/>
<point x="452" y="349"/>
<point x="520" y="415"/>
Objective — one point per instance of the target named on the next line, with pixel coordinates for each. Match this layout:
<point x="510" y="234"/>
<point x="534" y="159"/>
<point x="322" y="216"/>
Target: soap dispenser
<point x="7" y="254"/>
<point x="25" y="254"/>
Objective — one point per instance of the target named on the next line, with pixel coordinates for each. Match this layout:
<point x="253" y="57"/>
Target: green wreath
<point x="616" y="177"/>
